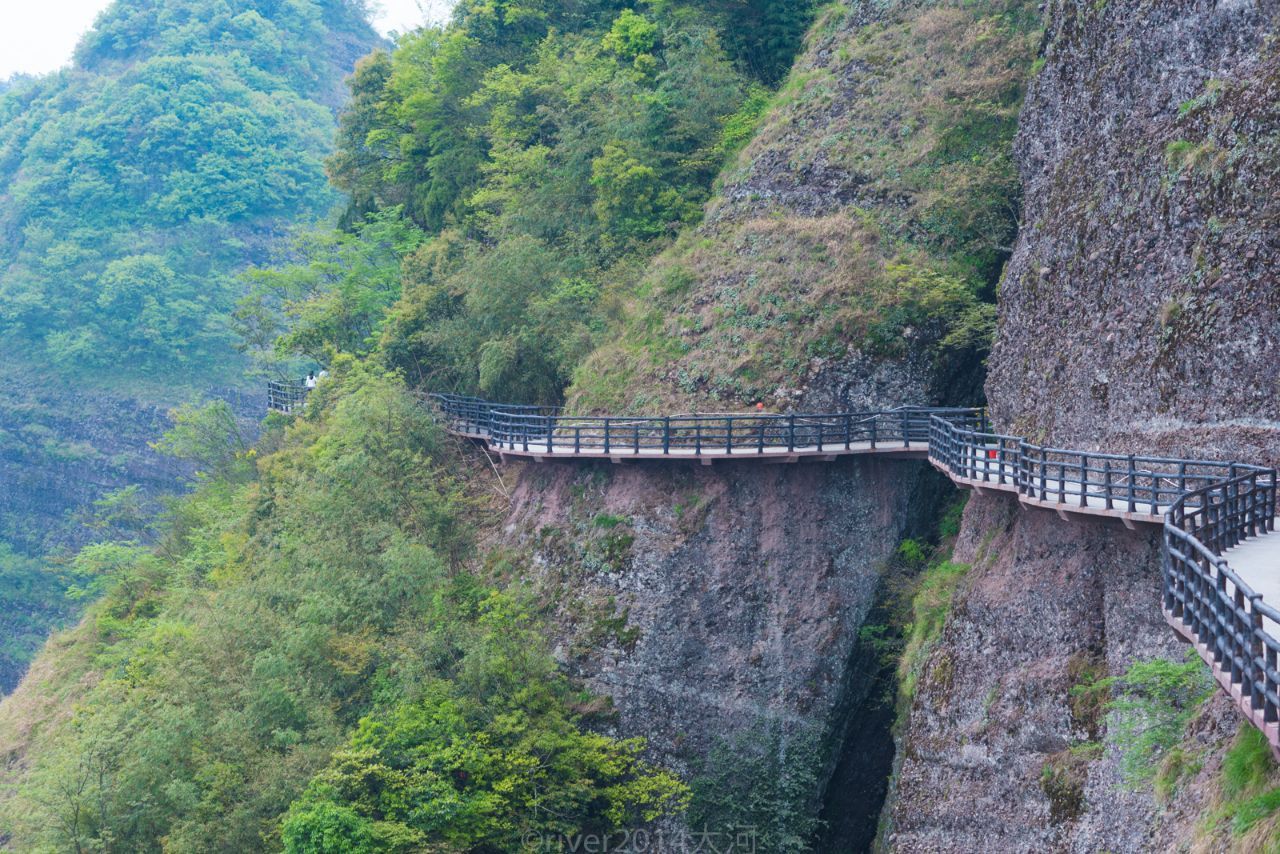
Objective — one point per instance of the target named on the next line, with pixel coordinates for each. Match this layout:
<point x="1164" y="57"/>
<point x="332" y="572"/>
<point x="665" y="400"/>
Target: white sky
<point x="36" y="37"/>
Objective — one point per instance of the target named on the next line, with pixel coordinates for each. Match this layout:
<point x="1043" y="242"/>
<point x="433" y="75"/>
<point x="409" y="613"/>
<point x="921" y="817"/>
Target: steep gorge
<point x="730" y="613"/>
<point x="829" y="275"/>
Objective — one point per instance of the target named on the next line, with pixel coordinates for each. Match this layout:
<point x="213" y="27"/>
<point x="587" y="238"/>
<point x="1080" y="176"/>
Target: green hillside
<point x="186" y="138"/>
<point x="181" y="146"/>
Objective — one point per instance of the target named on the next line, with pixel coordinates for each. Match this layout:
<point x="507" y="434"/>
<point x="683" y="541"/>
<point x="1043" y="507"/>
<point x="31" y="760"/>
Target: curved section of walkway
<point x="1221" y="560"/>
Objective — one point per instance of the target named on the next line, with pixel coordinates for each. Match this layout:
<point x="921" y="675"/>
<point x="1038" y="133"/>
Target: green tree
<point x="482" y="763"/>
<point x="139" y="182"/>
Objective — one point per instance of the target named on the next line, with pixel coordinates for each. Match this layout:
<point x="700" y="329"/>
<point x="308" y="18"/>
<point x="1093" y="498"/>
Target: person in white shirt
<point x="311" y="381"/>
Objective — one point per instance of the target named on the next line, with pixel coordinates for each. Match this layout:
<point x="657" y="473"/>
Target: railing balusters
<point x="1084" y="480"/>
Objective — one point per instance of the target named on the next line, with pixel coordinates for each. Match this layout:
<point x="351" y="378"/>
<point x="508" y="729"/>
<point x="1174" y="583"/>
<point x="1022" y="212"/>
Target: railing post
<point x="1252" y="517"/>
<point x="906" y="435"/>
<point x="551" y="435"/>
<point x="1257" y="660"/>
<point x="637" y="439"/>
<point x="728" y="436"/>
<point x="577" y="438"/>
<point x="1133" y="476"/>
<point x="606" y="435"/>
<point x="1043" y="475"/>
<point x="1221" y="633"/>
<point x="762" y="422"/>
<point x="1106" y="484"/>
<point x="791" y="433"/>
<point x="1238" y="654"/>
<point x="848" y="431"/>
<point x="666" y="435"/>
<point x="1270" y="714"/>
<point x="1271" y="501"/>
<point x="697" y="438"/>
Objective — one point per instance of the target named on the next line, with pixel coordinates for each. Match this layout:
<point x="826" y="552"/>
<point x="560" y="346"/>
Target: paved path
<point x="1257" y="562"/>
<point x="710" y="453"/>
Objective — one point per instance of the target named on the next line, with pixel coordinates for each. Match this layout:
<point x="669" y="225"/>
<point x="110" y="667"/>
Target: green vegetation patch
<point x="762" y="781"/>
<point x="1248" y="799"/>
<point x="136" y="184"/>
<point x="1151" y="705"/>
<point x="310" y="658"/>
<point x="906" y="261"/>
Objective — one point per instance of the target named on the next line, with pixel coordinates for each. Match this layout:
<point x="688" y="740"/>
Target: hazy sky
<point x="39" y="35"/>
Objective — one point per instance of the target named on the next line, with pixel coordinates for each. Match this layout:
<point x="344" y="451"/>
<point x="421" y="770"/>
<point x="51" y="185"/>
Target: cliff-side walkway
<point x="1220" y="557"/>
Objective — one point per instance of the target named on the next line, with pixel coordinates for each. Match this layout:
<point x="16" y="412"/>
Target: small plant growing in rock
<point x="1152" y="705"/>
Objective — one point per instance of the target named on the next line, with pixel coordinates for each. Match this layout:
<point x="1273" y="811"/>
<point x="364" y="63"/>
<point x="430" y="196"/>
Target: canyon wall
<point x="721" y="608"/>
<point x="1139" y="314"/>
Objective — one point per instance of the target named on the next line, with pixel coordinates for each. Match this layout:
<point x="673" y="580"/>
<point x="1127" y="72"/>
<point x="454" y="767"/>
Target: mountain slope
<point x="186" y="139"/>
<point x="175" y="151"/>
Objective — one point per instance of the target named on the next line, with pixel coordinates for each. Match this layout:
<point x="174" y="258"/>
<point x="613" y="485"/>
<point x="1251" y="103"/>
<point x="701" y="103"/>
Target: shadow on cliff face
<point x="859" y="783"/>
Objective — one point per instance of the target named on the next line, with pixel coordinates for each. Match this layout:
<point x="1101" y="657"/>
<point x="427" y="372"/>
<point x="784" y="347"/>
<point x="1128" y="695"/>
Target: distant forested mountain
<point x="184" y="139"/>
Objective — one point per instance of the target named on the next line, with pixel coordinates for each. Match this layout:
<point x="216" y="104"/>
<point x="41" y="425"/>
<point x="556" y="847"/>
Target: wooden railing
<point x="1083" y="479"/>
<point x="1210" y="604"/>
<point x="286" y="396"/>
<point x="530" y="430"/>
<point x="1206" y="507"/>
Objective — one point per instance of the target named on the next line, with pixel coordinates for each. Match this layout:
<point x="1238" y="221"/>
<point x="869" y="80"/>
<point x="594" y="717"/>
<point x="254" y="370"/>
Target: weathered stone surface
<point x="1044" y="599"/>
<point x="1141" y="309"/>
<point x="1140" y="313"/>
<point x="746" y="586"/>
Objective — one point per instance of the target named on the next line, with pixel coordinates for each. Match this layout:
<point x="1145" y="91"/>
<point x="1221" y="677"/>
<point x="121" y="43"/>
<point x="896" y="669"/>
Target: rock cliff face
<point x="1139" y="313"/>
<point x="61" y="448"/>
<point x="1140" y="310"/>
<point x="721" y="607"/>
